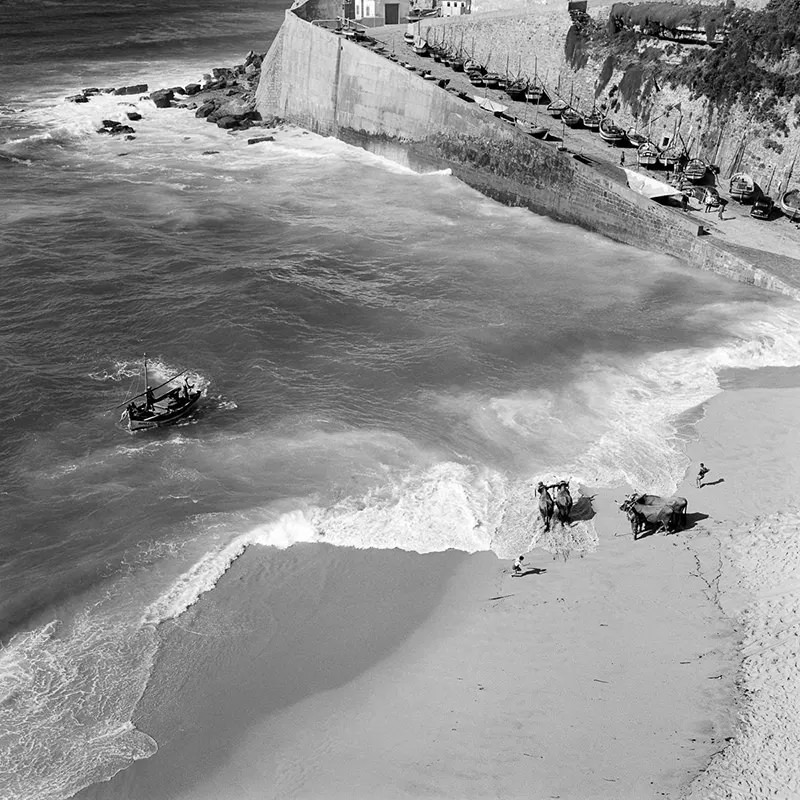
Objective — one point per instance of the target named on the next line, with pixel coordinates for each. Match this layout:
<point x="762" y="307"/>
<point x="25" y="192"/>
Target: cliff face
<point x="325" y="83"/>
<point x="537" y="40"/>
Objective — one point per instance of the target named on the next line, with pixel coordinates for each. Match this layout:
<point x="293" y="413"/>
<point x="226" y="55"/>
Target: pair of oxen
<point x="666" y="513"/>
<point x="561" y="507"/>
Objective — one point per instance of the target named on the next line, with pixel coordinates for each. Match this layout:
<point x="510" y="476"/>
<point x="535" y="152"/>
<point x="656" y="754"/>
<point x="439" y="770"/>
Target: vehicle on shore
<point x="611" y="133"/>
<point x="742" y="187"/>
<point x="165" y="409"/>
<point x="790" y="204"/>
<point x="763" y="207"/>
<point x="695" y="170"/>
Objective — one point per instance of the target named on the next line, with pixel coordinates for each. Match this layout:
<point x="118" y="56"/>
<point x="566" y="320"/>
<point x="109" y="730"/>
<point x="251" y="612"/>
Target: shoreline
<point x="637" y="671"/>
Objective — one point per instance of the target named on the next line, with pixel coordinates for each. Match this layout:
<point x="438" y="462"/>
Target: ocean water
<point x="388" y="359"/>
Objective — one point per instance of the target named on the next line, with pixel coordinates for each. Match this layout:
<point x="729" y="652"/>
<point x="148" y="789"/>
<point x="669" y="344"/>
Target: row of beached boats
<point x="523" y="89"/>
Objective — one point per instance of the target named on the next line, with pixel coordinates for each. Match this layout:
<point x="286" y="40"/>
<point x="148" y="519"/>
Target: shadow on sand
<point x="529" y="571"/>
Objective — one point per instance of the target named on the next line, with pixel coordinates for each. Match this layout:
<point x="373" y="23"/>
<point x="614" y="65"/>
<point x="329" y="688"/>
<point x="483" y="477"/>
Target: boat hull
<point x="166" y="417"/>
<point x="790" y="204"/>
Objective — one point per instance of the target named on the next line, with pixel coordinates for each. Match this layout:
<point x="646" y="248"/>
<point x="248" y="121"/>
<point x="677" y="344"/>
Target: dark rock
<point x="255" y="116"/>
<point x="111" y="123"/>
<point x="77" y="98"/>
<point x="210" y="152"/>
<point x="134" y="116"/>
<point x="206" y="109"/>
<point x="248" y="59"/>
<point x="162" y="98"/>
<point x="139" y="87"/>
<point x="192" y="88"/>
<point x="122" y="129"/>
<point x="109" y="90"/>
<point x="129" y="138"/>
<point x="177" y="90"/>
<point x="221" y="72"/>
<point x="227" y="122"/>
<point x="259" y="139"/>
<point x="89" y="92"/>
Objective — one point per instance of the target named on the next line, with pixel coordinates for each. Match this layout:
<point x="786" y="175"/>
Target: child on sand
<point x="700" y="475"/>
<point x="517" y="568"/>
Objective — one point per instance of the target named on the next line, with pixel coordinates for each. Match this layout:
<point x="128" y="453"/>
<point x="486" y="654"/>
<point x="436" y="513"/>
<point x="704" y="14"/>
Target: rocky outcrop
<point x="162" y="97"/>
<point x="138" y="88"/>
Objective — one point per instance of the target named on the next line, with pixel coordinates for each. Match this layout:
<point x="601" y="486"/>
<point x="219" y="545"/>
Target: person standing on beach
<point x="701" y="474"/>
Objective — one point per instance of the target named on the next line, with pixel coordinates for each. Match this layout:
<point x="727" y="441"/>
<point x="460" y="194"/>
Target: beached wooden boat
<point x="670" y="156"/>
<point x="571" y="118"/>
<point x="647" y="155"/>
<point x="611" y="133"/>
<point x="790" y="204"/>
<point x="166" y="408"/>
<point x="517" y="90"/>
<point x="421" y="47"/>
<point x="695" y="170"/>
<point x="492" y="80"/>
<point x="742" y="187"/>
<point x="592" y="120"/>
<point x="635" y="138"/>
<point x="556" y="108"/>
<point x="532" y="129"/>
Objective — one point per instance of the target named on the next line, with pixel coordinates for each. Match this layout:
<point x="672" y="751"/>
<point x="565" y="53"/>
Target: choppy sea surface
<point x="388" y="359"/>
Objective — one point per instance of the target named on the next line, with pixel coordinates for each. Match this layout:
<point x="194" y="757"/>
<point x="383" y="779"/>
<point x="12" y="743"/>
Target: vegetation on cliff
<point x="756" y="63"/>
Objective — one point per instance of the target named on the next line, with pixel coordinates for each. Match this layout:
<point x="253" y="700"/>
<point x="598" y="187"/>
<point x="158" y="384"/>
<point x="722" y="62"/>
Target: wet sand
<point x="607" y="676"/>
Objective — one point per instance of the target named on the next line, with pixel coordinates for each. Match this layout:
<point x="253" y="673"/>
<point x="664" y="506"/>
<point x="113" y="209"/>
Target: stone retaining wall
<point x="318" y="80"/>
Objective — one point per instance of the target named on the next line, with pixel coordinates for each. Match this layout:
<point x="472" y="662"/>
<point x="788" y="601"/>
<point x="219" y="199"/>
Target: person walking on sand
<point x="622" y="159"/>
<point x="721" y="211"/>
<point x="701" y="474"/>
<point x="516" y="570"/>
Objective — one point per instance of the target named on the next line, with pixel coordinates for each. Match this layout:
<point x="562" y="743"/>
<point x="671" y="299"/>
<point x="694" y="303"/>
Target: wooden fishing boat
<point x="492" y="80"/>
<point x="611" y="133"/>
<point x="532" y="129"/>
<point x="571" y="118"/>
<point x="790" y="204"/>
<point x="556" y="108"/>
<point x="517" y="90"/>
<point x="592" y="120"/>
<point x="635" y="138"/>
<point x="670" y="156"/>
<point x="421" y="47"/>
<point x="457" y="64"/>
<point x="742" y="187"/>
<point x="647" y="155"/>
<point x="695" y="170"/>
<point x="166" y="408"/>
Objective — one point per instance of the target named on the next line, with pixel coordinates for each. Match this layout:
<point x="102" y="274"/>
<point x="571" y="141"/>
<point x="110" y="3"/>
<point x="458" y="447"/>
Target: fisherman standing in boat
<point x="150" y="399"/>
<point x="187" y="388"/>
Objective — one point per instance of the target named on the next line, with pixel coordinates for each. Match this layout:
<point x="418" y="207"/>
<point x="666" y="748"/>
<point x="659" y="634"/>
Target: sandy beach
<point x="661" y="668"/>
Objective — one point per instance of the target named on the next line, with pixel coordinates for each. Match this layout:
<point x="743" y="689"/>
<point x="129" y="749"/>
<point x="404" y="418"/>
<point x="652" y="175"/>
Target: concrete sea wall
<point x="327" y="84"/>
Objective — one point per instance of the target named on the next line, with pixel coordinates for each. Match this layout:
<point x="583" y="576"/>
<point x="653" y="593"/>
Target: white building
<point x="454" y="8"/>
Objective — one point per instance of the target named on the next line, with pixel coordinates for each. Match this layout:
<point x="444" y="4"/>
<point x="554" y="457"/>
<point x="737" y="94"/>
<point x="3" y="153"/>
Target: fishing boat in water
<point x="742" y="187"/>
<point x="695" y="170"/>
<point x="611" y="133"/>
<point x="790" y="204"/>
<point x="159" y="410"/>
